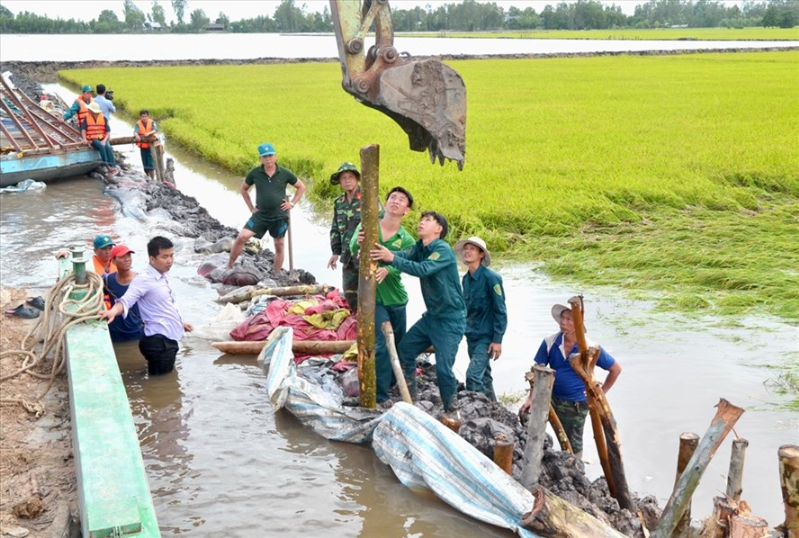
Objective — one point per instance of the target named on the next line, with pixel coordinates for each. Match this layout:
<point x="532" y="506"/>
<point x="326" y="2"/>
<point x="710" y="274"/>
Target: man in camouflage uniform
<point x="346" y="217"/>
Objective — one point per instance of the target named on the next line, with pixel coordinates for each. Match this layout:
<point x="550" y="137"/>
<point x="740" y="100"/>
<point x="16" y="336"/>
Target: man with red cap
<point x="122" y="329"/>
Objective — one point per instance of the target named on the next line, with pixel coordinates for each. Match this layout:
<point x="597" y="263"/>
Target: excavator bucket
<point x="428" y="100"/>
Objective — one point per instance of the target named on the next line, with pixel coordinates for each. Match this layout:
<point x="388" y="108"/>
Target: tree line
<point x="465" y="16"/>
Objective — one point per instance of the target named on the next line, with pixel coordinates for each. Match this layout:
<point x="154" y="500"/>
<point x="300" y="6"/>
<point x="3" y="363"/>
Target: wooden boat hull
<point x="48" y="167"/>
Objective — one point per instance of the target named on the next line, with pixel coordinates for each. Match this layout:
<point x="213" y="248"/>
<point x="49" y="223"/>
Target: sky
<point x="240" y="9"/>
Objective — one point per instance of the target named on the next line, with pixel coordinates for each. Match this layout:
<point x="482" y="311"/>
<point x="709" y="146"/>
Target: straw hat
<point x="479" y="243"/>
<point x="559" y="309"/>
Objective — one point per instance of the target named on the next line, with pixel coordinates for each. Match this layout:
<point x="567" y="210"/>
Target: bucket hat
<point x="345" y="167"/>
<point x="266" y="149"/>
<point x="479" y="243"/>
<point x="559" y="309"/>
<point x="94" y="107"/>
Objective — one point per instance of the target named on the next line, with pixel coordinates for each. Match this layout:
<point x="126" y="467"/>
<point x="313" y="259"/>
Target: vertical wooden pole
<point x="541" y="379"/>
<point x="388" y="333"/>
<point x="726" y="417"/>
<point x="688" y="443"/>
<point x="789" y="482"/>
<point x="367" y="284"/>
<point x="735" y="476"/>
<point x="503" y="452"/>
<point x="291" y="246"/>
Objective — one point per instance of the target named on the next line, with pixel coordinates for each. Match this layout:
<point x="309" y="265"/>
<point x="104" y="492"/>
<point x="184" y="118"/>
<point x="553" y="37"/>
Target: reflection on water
<point x="221" y="463"/>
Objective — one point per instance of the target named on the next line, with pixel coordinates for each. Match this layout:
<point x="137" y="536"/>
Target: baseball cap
<point x="86" y="88"/>
<point x="266" y="149"/>
<point x="120" y="250"/>
<point x="102" y="241"/>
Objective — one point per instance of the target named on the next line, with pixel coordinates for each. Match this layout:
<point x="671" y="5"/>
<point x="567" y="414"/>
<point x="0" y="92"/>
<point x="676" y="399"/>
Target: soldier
<point x="346" y="217"/>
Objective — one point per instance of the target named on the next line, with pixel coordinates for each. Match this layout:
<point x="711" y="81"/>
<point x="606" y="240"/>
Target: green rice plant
<point x="674" y="175"/>
<point x="757" y="33"/>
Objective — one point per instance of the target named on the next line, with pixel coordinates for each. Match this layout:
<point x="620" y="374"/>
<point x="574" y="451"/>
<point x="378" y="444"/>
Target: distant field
<point x="669" y="34"/>
<point x="672" y="177"/>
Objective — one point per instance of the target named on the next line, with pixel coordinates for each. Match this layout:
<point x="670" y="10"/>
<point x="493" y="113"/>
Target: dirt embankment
<point x="38" y="490"/>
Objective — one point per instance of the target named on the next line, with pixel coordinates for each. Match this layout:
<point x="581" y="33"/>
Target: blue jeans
<point x="384" y="373"/>
<point x="445" y="336"/>
<point x="106" y="153"/>
<point x="478" y="375"/>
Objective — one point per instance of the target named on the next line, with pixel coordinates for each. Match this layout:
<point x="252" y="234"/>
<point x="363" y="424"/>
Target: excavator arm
<point x="425" y="97"/>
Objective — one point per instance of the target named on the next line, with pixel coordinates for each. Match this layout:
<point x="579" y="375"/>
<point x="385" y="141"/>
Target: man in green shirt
<point x="486" y="314"/>
<point x="432" y="260"/>
<point x="391" y="295"/>
<point x="271" y="210"/>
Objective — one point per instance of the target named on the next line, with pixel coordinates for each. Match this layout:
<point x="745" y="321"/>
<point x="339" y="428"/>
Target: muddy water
<point x="221" y="463"/>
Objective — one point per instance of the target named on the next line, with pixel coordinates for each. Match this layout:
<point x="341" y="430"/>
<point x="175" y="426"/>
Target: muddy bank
<point x="47" y="72"/>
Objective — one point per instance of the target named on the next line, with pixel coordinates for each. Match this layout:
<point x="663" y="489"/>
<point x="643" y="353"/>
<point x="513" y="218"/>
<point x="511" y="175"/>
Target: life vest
<point x="144" y="129"/>
<point x="83" y="112"/>
<point x="95" y="128"/>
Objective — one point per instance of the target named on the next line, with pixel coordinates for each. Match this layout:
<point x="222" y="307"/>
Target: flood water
<point x="221" y="463"/>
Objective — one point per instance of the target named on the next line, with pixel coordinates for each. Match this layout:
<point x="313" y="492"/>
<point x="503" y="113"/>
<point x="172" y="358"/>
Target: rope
<point x="60" y="314"/>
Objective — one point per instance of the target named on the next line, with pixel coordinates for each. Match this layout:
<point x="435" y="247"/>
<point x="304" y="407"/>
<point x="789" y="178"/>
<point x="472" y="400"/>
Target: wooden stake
<point x="553" y="516"/>
<point x="560" y="432"/>
<point x="789" y="482"/>
<point x="367" y="283"/>
<point x="726" y="417"/>
<point x="388" y="332"/>
<point x="503" y="452"/>
<point x="306" y="347"/>
<point x="715" y="525"/>
<point x="688" y="444"/>
<point x="748" y="526"/>
<point x="735" y="476"/>
<point x="249" y="292"/>
<point x="541" y="379"/>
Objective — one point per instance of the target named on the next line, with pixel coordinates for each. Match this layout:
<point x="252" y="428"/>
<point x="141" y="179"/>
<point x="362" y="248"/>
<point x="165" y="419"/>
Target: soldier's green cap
<point x="345" y="167"/>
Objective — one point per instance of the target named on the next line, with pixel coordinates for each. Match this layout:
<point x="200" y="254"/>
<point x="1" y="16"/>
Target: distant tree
<point x="772" y="18"/>
<point x="787" y="19"/>
<point x="180" y="10"/>
<point x="107" y="23"/>
<point x="223" y="20"/>
<point x="5" y="12"/>
<point x="134" y="17"/>
<point x="288" y="17"/>
<point x="158" y="14"/>
<point x="198" y="20"/>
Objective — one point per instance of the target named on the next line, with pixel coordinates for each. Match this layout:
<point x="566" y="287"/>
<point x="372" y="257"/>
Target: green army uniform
<point x="443" y="325"/>
<point x="486" y="322"/>
<point x="270" y="193"/>
<point x="390" y="302"/>
<point x="346" y="218"/>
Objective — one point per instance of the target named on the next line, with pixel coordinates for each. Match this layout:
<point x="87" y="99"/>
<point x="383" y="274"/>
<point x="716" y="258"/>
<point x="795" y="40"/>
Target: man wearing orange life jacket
<point x="95" y="132"/>
<point x="80" y="105"/>
<point x="145" y="127"/>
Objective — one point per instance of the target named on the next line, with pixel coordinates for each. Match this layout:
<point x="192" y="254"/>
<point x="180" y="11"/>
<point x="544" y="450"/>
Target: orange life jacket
<point x="83" y="112"/>
<point x="95" y="128"/>
<point x="144" y="129"/>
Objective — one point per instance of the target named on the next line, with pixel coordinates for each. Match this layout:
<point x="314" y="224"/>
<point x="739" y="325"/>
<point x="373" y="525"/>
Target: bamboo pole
<point x="306" y="347"/>
<point x="249" y="292"/>
<point x="735" y="475"/>
<point x="688" y="443"/>
<point x="560" y="432"/>
<point x="541" y="379"/>
<point x="789" y="483"/>
<point x="553" y="516"/>
<point x="388" y="333"/>
<point x="291" y="245"/>
<point x="726" y="417"/>
<point x="367" y="282"/>
<point x="503" y="452"/>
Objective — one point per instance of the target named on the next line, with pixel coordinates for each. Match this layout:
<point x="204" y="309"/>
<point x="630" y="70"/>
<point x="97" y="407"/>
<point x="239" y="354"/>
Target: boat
<point x="35" y="144"/>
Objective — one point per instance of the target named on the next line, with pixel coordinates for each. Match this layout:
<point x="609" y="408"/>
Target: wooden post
<point x="602" y="419"/>
<point x="541" y="379"/>
<point x="249" y="292"/>
<point x="726" y="417"/>
<point x="688" y="444"/>
<point x="748" y="526"/>
<point x="291" y="246"/>
<point x="503" y="452"/>
<point x="367" y="283"/>
<point x="388" y="332"/>
<point x="789" y="482"/>
<point x="553" y="516"/>
<point x="735" y="476"/>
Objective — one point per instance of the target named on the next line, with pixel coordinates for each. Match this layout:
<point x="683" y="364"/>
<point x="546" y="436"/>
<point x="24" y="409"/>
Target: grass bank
<point x="649" y="34"/>
<point x="675" y="177"/>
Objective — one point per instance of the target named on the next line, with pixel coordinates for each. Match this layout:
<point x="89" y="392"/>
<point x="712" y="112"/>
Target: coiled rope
<point x="60" y="314"/>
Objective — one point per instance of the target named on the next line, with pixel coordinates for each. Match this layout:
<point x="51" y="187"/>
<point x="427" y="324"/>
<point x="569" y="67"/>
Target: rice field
<point x="757" y="33"/>
<point x="675" y="178"/>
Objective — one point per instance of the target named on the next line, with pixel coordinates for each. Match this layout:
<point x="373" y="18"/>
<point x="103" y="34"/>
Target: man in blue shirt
<point x="105" y="100"/>
<point x="568" y="393"/>
<point x="432" y="260"/>
<point x="486" y="315"/>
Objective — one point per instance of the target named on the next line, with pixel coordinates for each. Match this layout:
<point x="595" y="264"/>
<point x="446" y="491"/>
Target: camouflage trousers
<point x="349" y="283"/>
<point x="572" y="416"/>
